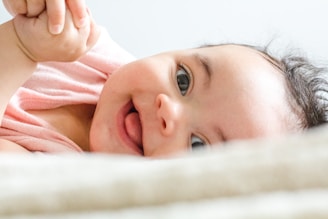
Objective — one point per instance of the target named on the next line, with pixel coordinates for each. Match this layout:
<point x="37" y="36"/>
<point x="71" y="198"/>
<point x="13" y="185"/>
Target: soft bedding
<point x="270" y="178"/>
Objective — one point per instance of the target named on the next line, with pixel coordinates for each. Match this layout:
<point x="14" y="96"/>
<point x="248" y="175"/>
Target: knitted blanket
<point x="284" y="177"/>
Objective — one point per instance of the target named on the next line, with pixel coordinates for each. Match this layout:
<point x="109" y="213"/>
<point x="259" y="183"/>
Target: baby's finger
<point x="79" y="12"/>
<point x="56" y="12"/>
<point x="35" y="8"/>
<point x="15" y="7"/>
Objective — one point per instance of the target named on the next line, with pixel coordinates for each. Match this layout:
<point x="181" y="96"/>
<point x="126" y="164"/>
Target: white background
<point x="145" y="27"/>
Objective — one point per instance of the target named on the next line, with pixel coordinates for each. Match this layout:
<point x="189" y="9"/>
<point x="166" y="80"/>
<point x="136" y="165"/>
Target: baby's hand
<point x="40" y="45"/>
<point x="55" y="10"/>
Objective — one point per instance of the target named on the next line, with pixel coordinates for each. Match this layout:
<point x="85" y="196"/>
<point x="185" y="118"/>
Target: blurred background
<point x="147" y="27"/>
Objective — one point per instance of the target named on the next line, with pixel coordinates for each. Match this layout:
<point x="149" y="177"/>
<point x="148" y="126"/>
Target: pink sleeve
<point x="56" y="84"/>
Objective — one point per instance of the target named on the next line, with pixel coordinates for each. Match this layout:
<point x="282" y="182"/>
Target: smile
<point x="130" y="128"/>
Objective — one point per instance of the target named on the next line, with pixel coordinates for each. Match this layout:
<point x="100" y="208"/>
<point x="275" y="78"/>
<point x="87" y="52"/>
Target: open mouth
<point x="131" y="127"/>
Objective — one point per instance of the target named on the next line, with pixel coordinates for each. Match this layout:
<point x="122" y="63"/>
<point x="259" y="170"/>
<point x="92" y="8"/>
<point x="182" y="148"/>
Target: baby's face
<point x="172" y="102"/>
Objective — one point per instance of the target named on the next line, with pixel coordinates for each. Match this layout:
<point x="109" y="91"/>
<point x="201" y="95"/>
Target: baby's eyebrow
<point x="204" y="63"/>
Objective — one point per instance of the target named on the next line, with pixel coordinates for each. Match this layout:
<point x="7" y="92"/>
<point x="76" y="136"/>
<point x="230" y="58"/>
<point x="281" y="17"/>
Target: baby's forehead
<point x="244" y="49"/>
<point x="236" y="48"/>
<point x="236" y="51"/>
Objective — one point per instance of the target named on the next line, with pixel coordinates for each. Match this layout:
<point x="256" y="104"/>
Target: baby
<point x="157" y="106"/>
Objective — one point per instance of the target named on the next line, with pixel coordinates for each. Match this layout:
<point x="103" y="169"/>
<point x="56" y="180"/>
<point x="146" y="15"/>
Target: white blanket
<point x="270" y="178"/>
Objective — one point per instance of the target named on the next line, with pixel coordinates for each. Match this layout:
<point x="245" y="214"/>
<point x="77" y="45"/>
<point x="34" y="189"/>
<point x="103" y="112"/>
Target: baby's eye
<point x="183" y="80"/>
<point x="196" y="142"/>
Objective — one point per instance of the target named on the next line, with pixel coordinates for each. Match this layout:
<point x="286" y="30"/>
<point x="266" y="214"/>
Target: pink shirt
<point x="56" y="84"/>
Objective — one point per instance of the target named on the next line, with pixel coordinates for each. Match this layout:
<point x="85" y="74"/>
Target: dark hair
<point x="307" y="86"/>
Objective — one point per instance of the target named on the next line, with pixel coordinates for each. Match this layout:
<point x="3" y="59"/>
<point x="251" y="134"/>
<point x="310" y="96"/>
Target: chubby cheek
<point x="100" y="133"/>
<point x="96" y="138"/>
<point x="143" y="72"/>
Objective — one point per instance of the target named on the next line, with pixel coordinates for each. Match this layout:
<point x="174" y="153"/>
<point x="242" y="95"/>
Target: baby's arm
<point x="25" y="41"/>
<point x="15" y="66"/>
<point x="55" y="11"/>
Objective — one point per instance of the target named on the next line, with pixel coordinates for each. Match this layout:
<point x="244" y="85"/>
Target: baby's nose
<point x="169" y="114"/>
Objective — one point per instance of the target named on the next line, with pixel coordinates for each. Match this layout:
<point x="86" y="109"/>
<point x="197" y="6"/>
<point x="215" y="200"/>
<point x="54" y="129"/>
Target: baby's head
<point x="307" y="89"/>
<point x="179" y="100"/>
